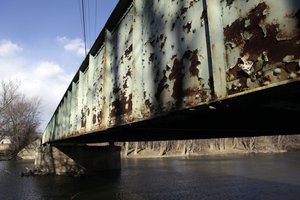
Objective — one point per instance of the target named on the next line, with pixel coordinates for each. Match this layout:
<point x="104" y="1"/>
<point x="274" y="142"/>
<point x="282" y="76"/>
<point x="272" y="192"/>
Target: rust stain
<point x="232" y="32"/>
<point x="236" y="71"/>
<point x="116" y="89"/>
<point x="187" y="27"/>
<point x="261" y="40"/>
<point x="128" y="50"/>
<point x="277" y="50"/>
<point x="262" y="47"/>
<point x="189" y="92"/>
<point x="292" y="67"/>
<point x="152" y="42"/>
<point x="203" y="95"/>
<point x="149" y="105"/>
<point x="264" y="79"/>
<point x="173" y="26"/>
<point x="122" y="59"/>
<point x="161" y="36"/>
<point x="151" y="57"/>
<point x="243" y="82"/>
<point x="99" y="116"/>
<point x="128" y="74"/>
<point x="161" y="86"/>
<point x="228" y="2"/>
<point x="94" y="119"/>
<point x="192" y="56"/>
<point x="83" y="117"/>
<point x="125" y="84"/>
<point x="177" y="75"/>
<point x="195" y="62"/>
<point x="122" y="105"/>
<point x="183" y="10"/>
<point x="163" y="43"/>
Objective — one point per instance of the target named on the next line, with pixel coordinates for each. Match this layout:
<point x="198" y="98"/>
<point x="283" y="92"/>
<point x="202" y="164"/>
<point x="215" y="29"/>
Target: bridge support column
<point x="61" y="160"/>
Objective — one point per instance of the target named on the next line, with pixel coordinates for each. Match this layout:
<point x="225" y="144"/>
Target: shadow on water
<point x="97" y="186"/>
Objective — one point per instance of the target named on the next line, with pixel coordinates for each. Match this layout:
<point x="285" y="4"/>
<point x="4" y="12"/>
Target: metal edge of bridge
<point x="117" y="14"/>
<point x="251" y="114"/>
<point x="114" y="18"/>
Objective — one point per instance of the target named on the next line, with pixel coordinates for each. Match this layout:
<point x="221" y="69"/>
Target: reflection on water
<point x="254" y="176"/>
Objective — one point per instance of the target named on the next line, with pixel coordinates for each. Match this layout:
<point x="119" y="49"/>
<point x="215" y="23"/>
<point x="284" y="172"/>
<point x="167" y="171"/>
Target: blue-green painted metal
<point x="155" y="56"/>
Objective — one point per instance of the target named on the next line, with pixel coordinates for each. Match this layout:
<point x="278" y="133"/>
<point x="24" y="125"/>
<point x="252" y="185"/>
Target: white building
<point x="5" y="140"/>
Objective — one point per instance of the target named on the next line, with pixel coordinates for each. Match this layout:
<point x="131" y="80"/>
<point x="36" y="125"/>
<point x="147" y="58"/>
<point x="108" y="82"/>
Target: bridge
<point x="185" y="69"/>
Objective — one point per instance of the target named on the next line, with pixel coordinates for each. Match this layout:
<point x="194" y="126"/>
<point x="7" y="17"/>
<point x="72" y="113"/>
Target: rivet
<point x="277" y="71"/>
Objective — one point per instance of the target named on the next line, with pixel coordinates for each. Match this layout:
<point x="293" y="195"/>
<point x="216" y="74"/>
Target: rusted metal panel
<point x="63" y="120"/>
<point x="138" y="105"/>
<point x="174" y="55"/>
<point x="262" y="42"/>
<point x="68" y="113"/>
<point x="161" y="56"/>
<point x="89" y="92"/>
<point x="119" y="54"/>
<point x="74" y="104"/>
<point x="98" y="84"/>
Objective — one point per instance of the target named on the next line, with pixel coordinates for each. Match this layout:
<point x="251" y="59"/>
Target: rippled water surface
<point x="255" y="176"/>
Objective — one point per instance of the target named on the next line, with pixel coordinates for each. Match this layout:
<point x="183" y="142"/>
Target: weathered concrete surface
<point x="50" y="160"/>
<point x="94" y="158"/>
<point x="77" y="160"/>
<point x="30" y="151"/>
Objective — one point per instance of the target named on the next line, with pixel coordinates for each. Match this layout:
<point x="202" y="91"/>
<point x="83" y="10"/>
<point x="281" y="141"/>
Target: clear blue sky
<point x="41" y="44"/>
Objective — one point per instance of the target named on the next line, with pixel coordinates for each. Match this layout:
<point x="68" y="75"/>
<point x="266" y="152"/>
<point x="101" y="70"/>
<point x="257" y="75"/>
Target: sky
<point x="42" y="45"/>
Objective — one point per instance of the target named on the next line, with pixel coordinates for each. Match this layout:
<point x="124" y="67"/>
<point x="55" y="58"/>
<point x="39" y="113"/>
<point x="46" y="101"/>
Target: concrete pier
<point x="74" y="159"/>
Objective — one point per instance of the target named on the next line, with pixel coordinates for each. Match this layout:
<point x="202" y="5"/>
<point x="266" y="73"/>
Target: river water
<point x="240" y="177"/>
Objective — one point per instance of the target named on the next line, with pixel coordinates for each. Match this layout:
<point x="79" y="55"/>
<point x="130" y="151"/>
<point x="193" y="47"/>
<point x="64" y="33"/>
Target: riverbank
<point x="220" y="146"/>
<point x="50" y="160"/>
<point x="146" y="153"/>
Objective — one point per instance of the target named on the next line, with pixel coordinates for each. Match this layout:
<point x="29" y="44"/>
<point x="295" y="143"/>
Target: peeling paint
<point x="155" y="60"/>
<point x="260" y="50"/>
<point x="177" y="75"/>
<point x="228" y="2"/>
<point x="128" y="51"/>
<point x="121" y="106"/>
<point x="195" y="62"/>
<point x="187" y="27"/>
<point x="161" y="86"/>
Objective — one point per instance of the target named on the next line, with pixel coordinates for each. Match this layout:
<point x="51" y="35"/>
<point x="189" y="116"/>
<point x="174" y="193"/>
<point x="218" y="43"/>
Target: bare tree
<point x="19" y="116"/>
<point x="8" y="93"/>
